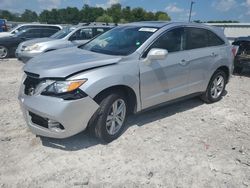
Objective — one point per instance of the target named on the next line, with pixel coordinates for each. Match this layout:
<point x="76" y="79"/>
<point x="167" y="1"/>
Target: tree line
<point x="72" y="15"/>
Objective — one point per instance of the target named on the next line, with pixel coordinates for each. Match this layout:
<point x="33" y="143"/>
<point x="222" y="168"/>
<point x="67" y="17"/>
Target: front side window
<point x="122" y="40"/>
<point x="62" y="33"/>
<point x="82" y="34"/>
<point x="172" y="41"/>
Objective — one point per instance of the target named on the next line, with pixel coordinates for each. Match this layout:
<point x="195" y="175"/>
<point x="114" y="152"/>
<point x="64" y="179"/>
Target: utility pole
<point x="191" y="9"/>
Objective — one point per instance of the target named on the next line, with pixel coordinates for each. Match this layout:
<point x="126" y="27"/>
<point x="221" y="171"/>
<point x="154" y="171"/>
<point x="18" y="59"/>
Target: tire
<point x="238" y="70"/>
<point x="215" y="93"/>
<point x="4" y="52"/>
<point x="103" y="124"/>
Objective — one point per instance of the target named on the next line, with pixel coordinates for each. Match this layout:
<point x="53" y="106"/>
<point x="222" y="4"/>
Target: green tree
<point x="105" y="18"/>
<point x="5" y="14"/>
<point x="115" y="11"/>
<point x="138" y="14"/>
<point x="90" y="14"/>
<point x="29" y="16"/>
<point x="162" y="16"/>
<point x="127" y="14"/>
<point x="149" y="16"/>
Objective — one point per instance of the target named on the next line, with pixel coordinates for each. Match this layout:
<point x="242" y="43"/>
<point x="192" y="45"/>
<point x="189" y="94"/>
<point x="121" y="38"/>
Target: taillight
<point x="235" y="50"/>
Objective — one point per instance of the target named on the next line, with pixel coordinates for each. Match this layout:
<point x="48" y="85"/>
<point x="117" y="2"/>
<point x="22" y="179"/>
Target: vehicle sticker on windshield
<point x="148" y="29"/>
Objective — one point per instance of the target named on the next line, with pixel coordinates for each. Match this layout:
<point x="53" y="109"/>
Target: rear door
<point x="167" y="79"/>
<point x="204" y="51"/>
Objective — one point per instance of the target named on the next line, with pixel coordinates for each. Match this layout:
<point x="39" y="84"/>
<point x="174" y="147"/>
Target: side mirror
<point x="157" y="54"/>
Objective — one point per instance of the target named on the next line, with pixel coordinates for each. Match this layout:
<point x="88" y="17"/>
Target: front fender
<point x="100" y="79"/>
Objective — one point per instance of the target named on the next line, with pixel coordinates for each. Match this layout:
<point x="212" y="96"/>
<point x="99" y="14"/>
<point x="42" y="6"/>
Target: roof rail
<point x="96" y="24"/>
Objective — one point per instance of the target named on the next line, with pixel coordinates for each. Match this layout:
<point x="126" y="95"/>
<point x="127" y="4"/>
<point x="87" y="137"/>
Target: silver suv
<point x="125" y="70"/>
<point x="67" y="37"/>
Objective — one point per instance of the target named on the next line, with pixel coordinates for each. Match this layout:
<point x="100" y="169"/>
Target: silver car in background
<point x="126" y="70"/>
<point x="67" y="37"/>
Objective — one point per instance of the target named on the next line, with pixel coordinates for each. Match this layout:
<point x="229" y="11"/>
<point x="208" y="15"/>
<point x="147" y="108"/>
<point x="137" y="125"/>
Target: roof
<point x="157" y="24"/>
<point x="230" y="24"/>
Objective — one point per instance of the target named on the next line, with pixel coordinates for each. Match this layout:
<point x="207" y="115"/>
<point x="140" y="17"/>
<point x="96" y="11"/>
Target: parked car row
<point x="46" y="38"/>
<point x="67" y="37"/>
<point x="127" y="69"/>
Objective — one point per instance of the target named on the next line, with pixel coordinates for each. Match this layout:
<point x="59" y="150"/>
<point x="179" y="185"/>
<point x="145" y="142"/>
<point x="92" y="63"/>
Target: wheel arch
<point x="128" y="92"/>
<point x="226" y="70"/>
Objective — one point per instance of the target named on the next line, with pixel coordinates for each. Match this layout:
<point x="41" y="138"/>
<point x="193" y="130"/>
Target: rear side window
<point x="213" y="39"/>
<point x="196" y="38"/>
<point x="201" y="38"/>
<point x="173" y="41"/>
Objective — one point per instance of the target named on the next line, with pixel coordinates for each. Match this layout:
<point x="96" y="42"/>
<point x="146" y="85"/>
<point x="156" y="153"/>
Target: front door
<point x="164" y="80"/>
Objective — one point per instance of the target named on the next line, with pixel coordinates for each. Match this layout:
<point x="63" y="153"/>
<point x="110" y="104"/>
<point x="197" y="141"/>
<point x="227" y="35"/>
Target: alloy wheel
<point x="3" y="52"/>
<point x="116" y="116"/>
<point x="217" y="87"/>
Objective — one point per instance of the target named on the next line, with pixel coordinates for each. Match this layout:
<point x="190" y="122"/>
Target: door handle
<point x="183" y="62"/>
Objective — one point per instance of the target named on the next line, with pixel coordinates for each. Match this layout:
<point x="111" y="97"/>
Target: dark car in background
<point x="21" y="27"/>
<point x="8" y="45"/>
<point x="3" y="26"/>
<point x="242" y="58"/>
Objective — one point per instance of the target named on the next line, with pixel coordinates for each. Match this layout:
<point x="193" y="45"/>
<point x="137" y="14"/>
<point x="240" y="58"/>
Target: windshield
<point x="16" y="29"/>
<point x="122" y="40"/>
<point x="62" y="33"/>
<point x="20" y="33"/>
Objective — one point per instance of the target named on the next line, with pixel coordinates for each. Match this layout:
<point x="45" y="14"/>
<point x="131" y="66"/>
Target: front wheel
<point x="4" y="52"/>
<point x="108" y="122"/>
<point x="216" y="87"/>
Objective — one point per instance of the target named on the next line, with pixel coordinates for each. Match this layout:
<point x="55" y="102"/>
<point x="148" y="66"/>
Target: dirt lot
<point x="188" y="144"/>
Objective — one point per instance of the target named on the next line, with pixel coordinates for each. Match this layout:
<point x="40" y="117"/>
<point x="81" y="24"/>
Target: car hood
<point x="65" y="62"/>
<point x="34" y="41"/>
<point x="8" y="38"/>
<point x="5" y="34"/>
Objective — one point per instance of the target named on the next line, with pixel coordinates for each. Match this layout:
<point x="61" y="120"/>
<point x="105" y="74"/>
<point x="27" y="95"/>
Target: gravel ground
<point x="187" y="144"/>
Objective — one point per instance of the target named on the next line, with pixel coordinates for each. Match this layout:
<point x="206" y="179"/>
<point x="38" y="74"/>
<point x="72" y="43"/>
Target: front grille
<point x="30" y="84"/>
<point x="38" y="120"/>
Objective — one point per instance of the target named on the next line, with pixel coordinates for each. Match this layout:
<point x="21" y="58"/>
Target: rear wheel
<point x="4" y="52"/>
<point x="108" y="122"/>
<point x="216" y="87"/>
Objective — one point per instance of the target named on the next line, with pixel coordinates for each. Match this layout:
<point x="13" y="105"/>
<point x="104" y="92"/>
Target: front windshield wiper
<point x="98" y="50"/>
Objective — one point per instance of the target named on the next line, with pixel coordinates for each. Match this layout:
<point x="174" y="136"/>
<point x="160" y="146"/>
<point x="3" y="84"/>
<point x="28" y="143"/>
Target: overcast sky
<point x="178" y="9"/>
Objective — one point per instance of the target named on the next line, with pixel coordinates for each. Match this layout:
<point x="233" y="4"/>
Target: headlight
<point x="65" y="89"/>
<point x="34" y="47"/>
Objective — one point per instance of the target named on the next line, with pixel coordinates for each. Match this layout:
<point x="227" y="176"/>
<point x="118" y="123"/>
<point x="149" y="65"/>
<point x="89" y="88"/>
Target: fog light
<point x="55" y="126"/>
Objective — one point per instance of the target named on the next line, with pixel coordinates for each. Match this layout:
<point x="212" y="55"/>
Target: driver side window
<point x="172" y="41"/>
